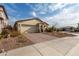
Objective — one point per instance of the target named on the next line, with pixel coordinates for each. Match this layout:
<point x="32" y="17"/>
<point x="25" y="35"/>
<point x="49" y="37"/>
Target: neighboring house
<point x="3" y="18"/>
<point x="31" y="25"/>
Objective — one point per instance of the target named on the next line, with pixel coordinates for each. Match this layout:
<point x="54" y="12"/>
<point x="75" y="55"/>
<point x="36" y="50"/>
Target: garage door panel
<point x="29" y="28"/>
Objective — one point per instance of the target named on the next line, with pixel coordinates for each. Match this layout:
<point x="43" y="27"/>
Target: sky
<point x="57" y="14"/>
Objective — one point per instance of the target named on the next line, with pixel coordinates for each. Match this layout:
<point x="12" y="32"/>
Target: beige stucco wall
<point x="2" y="14"/>
<point x="5" y="21"/>
<point x="30" y="26"/>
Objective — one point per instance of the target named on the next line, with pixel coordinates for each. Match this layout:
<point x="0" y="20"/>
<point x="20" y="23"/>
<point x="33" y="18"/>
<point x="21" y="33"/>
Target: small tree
<point x="54" y="27"/>
<point x="9" y="27"/>
<point x="49" y="29"/>
<point x="5" y="33"/>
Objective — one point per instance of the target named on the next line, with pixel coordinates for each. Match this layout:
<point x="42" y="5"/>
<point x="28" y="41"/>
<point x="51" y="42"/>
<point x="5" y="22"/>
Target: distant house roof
<point x="31" y="19"/>
<point x="4" y="11"/>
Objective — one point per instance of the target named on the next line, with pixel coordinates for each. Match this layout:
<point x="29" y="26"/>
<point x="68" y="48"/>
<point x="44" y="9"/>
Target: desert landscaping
<point x="33" y="36"/>
<point x="18" y="40"/>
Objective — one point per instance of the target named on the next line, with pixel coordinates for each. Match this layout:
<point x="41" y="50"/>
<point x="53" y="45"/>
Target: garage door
<point x="29" y="28"/>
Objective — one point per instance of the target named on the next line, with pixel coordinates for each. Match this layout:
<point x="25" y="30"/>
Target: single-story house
<point x="30" y="25"/>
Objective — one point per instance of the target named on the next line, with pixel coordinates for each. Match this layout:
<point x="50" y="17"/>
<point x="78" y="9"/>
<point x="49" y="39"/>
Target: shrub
<point x="49" y="29"/>
<point x="0" y="51"/>
<point x="0" y="36"/>
<point x="4" y="33"/>
<point x="14" y="33"/>
<point x="8" y="31"/>
<point x="9" y="27"/>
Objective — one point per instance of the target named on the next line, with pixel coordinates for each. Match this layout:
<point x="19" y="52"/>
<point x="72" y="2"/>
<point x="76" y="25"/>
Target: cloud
<point x="42" y="12"/>
<point x="34" y="14"/>
<point x="57" y="6"/>
<point x="43" y="8"/>
<point x="70" y="13"/>
<point x="66" y="17"/>
<point x="40" y="8"/>
<point x="63" y="14"/>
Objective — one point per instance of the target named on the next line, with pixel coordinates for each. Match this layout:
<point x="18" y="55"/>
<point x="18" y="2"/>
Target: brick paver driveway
<point x="39" y="37"/>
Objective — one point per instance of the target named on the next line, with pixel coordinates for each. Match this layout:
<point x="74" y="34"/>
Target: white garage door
<point x="29" y="28"/>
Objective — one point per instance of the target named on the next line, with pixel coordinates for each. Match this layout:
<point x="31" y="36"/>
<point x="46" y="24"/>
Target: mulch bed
<point x="59" y="34"/>
<point x="12" y="43"/>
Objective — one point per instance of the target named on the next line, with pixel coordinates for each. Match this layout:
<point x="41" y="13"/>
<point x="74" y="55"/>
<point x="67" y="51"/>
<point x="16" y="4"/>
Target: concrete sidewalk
<point x="74" y="51"/>
<point x="60" y="47"/>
